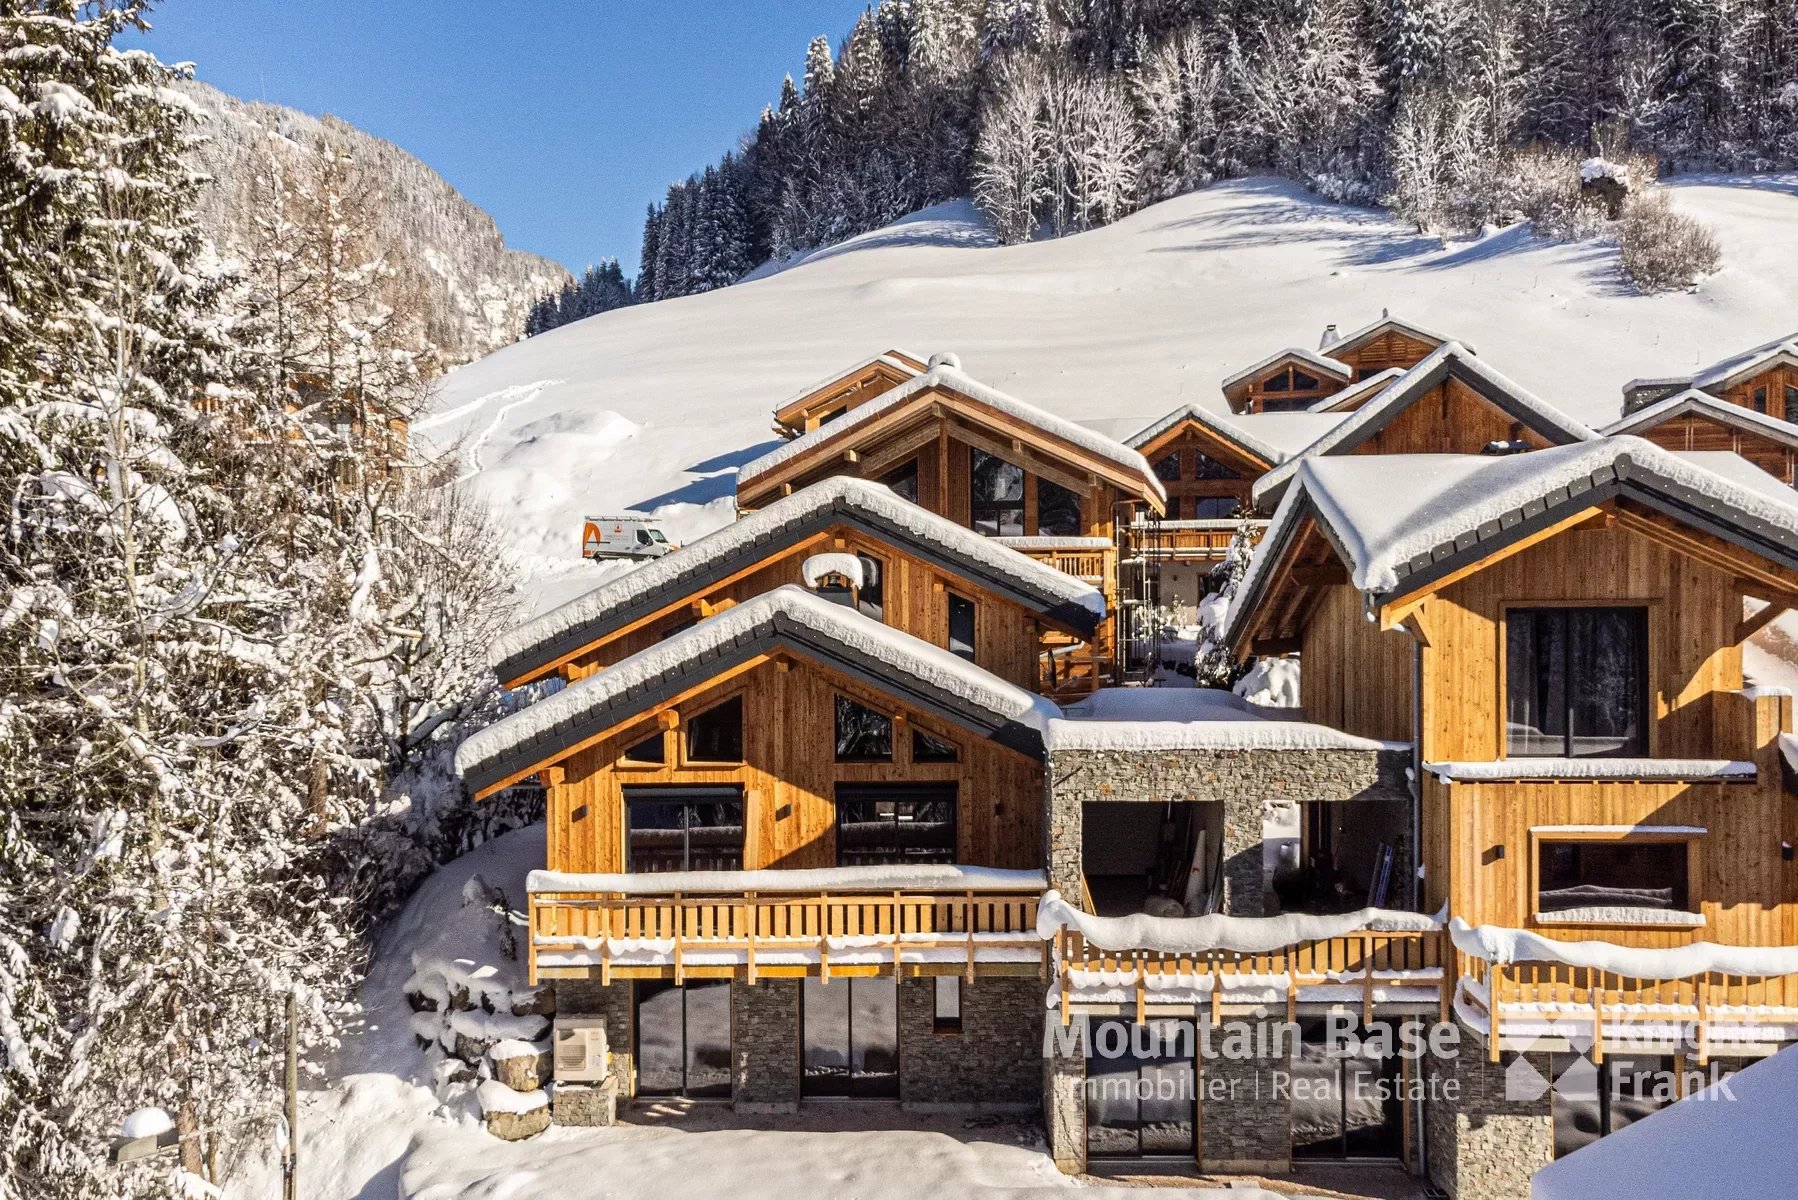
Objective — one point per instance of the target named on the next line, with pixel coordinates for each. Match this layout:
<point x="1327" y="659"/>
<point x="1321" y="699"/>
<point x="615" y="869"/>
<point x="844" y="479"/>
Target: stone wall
<point x="996" y="1058"/>
<point x="1481" y="1145"/>
<point x="1244" y="1112"/>
<point x="588" y="998"/>
<point x="764" y="1045"/>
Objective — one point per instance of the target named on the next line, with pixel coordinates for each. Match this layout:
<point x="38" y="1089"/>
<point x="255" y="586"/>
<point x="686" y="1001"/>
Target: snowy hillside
<point x="655" y="407"/>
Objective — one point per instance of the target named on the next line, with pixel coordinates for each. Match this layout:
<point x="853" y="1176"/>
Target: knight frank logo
<point x="1576" y="1076"/>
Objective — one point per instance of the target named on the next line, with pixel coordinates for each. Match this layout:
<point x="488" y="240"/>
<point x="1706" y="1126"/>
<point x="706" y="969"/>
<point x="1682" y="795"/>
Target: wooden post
<point x="1598" y="1018"/>
<point x="968" y="919"/>
<point x="1495" y="979"/>
<point x="530" y="930"/>
<point x="680" y="969"/>
<point x="1142" y="989"/>
<point x="1704" y="1019"/>
<point x="749" y="927"/>
<point x="290" y="1160"/>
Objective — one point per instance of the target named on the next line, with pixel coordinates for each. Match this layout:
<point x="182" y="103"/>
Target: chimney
<point x="1330" y="338"/>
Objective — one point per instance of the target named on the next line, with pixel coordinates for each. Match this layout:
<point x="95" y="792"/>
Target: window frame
<point x="950" y="596"/>
<point x="838" y="698"/>
<point x="1651" y="616"/>
<point x="1550" y="836"/>
<point x="946" y="1024"/>
<point x="626" y="763"/>
<point x="976" y="505"/>
<point x="686" y="731"/>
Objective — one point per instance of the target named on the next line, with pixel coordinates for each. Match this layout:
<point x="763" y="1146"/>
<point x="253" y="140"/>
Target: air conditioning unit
<point x="580" y="1047"/>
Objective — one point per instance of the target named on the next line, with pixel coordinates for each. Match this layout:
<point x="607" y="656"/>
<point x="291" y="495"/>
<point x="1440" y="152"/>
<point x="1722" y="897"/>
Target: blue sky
<point x="562" y="118"/>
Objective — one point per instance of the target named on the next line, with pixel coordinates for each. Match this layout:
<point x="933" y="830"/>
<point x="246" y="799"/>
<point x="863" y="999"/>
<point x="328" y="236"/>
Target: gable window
<point x="1057" y="510"/>
<point x="651" y="750"/>
<point x="1168" y="468"/>
<point x="903" y="481"/>
<point x="1760" y="399"/>
<point x="683" y="829"/>
<point x="863" y="735"/>
<point x="716" y="735"/>
<point x="1595" y="879"/>
<point x="927" y="749"/>
<point x="1206" y="467"/>
<point x="1576" y="682"/>
<point x="895" y="823"/>
<point x="870" y="597"/>
<point x="1791" y="402"/>
<point x="1278" y="383"/>
<point x="1213" y="508"/>
<point x="961" y="626"/>
<point x="996" y="495"/>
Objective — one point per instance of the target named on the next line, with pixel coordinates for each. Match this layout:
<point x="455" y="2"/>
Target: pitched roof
<point x="1387" y="321"/>
<point x="1451" y="360"/>
<point x="1694" y="403"/>
<point x="1222" y="428"/>
<point x="1396" y="530"/>
<point x="1361" y="389"/>
<point x="861" y="504"/>
<point x="1726" y="371"/>
<point x="923" y="676"/>
<point x="1329" y="366"/>
<point x="902" y="362"/>
<point x="945" y="376"/>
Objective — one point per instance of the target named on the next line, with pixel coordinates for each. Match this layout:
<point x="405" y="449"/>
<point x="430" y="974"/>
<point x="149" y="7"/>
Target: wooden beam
<point x="1276" y="646"/>
<point x="1013" y="451"/>
<point x="1394" y="612"/>
<point x="1760" y="620"/>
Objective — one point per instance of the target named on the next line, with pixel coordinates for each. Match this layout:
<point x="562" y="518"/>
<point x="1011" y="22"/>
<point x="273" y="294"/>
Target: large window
<point x="1213" y="508"/>
<point x="1345" y="1094"/>
<point x="1576" y="682"/>
<point x="880" y="824"/>
<point x="961" y="626"/>
<point x="1598" y="877"/>
<point x="996" y="505"/>
<point x="1167" y="468"/>
<point x="1141" y="1096"/>
<point x="904" y="481"/>
<point x="716" y="735"/>
<point x="1206" y="467"/>
<point x="1057" y="510"/>
<point x="1591" y="1100"/>
<point x="850" y="1031"/>
<point x="684" y="829"/>
<point x="863" y="735"/>
<point x="683" y="1038"/>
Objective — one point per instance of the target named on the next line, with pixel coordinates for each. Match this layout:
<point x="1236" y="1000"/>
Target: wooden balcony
<point x="1089" y="559"/>
<point x="1709" y="1010"/>
<point x="772" y="932"/>
<point x="1187" y="541"/>
<point x="1365" y="960"/>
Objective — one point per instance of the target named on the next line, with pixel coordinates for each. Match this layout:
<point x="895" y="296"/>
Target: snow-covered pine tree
<point x="648" y="281"/>
<point x="1010" y="158"/>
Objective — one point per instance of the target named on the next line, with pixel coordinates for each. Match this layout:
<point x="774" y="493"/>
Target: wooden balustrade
<point x="1196" y="541"/>
<point x="1616" y="1001"/>
<point x="1365" y="959"/>
<point x="770" y="931"/>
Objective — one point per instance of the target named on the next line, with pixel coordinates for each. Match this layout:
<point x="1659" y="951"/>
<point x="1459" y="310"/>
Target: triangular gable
<point x="1388" y="323"/>
<point x="1236" y="447"/>
<point x="1706" y="407"/>
<point x="537" y="647"/>
<point x="1356" y="394"/>
<point x="1237" y="386"/>
<point x="1452" y="362"/>
<point x="884" y="370"/>
<point x="1395" y="534"/>
<point x="788" y="620"/>
<point x="945" y="389"/>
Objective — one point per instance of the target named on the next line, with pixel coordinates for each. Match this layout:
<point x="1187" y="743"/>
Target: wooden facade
<point x="1383" y="346"/>
<point x="1207" y="476"/>
<point x="1771" y="389"/>
<point x="1288" y="382"/>
<point x="1699" y="432"/>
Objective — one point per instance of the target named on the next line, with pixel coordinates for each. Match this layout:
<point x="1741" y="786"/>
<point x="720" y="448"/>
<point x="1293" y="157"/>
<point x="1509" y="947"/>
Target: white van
<point x="629" y="536"/>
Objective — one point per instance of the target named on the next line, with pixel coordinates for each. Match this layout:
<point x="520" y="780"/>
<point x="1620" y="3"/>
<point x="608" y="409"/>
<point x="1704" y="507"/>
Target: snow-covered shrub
<point x="1273" y="682"/>
<point x="1662" y="248"/>
<point x="1542" y="185"/>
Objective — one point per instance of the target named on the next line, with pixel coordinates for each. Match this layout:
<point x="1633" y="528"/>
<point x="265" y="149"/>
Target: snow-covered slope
<point x="655" y="407"/>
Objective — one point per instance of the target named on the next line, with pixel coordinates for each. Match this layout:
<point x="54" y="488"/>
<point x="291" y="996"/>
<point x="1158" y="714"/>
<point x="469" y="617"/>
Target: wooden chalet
<point x="1449" y="403"/>
<point x="1026" y="622"/>
<point x="1695" y="420"/>
<point x="1295" y="379"/>
<point x="825" y="402"/>
<point x="1762" y="380"/>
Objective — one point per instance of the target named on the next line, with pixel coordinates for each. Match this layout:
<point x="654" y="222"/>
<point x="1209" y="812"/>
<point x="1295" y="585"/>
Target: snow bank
<point x="918" y="878"/>
<point x="1197" y="935"/>
<point x="1592" y="768"/>
<point x="496" y="1097"/>
<point x="1496" y="944"/>
<point x="1594" y="169"/>
<point x="1271" y="681"/>
<point x="146" y="1122"/>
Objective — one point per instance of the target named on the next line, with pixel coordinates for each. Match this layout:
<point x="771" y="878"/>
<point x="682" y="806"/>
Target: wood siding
<point x="1382" y="351"/>
<point x="1766" y="392"/>
<point x="1705" y="433"/>
<point x="1187" y="441"/>
<point x="1451" y="418"/>
<point x="789" y="777"/>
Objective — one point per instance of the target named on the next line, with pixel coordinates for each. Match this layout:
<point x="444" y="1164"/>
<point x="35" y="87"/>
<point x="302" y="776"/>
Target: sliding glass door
<point x="851" y="1036"/>
<point x="683" y="1039"/>
<point x="1140" y="1101"/>
<point x="1345" y="1097"/>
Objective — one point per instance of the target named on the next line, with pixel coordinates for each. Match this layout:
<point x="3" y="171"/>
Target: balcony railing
<point x="1090" y="559"/>
<point x="1367" y="960"/>
<point x="1206" y="540"/>
<point x="849" y="921"/>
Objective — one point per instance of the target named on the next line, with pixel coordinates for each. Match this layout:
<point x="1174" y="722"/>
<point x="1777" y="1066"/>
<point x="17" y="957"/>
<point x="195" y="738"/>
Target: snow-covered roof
<point x="889" y="877"/>
<point x="1721" y="374"/>
<point x="1397" y="521"/>
<point x="1451" y="360"/>
<point x="1732" y="1139"/>
<point x="1329" y="366"/>
<point x="870" y="507"/>
<point x="1289" y="433"/>
<point x="1192" y="719"/>
<point x="898" y="664"/>
<point x="1388" y="321"/>
<point x="901" y="361"/>
<point x="1216" y="931"/>
<point x="1360" y="390"/>
<point x="1695" y="403"/>
<point x="1225" y="430"/>
<point x="1633" y="769"/>
<point x="946" y="377"/>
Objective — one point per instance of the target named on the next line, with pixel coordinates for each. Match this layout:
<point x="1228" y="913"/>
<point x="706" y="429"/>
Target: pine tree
<point x="648" y="281"/>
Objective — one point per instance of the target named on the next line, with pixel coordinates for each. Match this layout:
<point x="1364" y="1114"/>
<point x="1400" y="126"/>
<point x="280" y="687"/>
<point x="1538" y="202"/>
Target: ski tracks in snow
<point x="508" y="399"/>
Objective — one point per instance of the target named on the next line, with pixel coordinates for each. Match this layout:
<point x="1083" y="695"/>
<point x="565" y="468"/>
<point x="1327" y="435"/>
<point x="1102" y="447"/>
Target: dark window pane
<point x="1317" y="1123"/>
<point x="996" y="495"/>
<point x="1279" y="383"/>
<point x="1213" y="508"/>
<point x="1760" y="399"/>
<point x="874" y="1038"/>
<point x="652" y="749"/>
<point x="1057" y="510"/>
<point x="1576" y="682"/>
<point x="1536" y="684"/>
<point x="1302" y="382"/>
<point x="1206" y="467"/>
<point x="1791" y="403"/>
<point x="1622" y="874"/>
<point x="684" y="828"/>
<point x="895" y="823"/>
<point x="708" y="1039"/>
<point x="863" y="735"/>
<point x="961" y="626"/>
<point x="926" y="749"/>
<point x="1606" y="680"/>
<point x="1140" y="1093"/>
<point x="661" y="1050"/>
<point x="904" y="481"/>
<point x="824" y="1033"/>
<point x="1168" y="468"/>
<point x="870" y="598"/>
<point x="716" y="735"/>
<point x="715" y="835"/>
<point x="658" y="836"/>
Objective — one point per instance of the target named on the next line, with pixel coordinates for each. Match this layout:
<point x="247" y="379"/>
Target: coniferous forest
<point x="1059" y="115"/>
